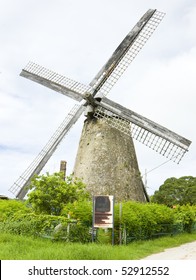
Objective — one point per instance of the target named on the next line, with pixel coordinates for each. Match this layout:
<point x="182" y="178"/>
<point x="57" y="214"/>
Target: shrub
<point x="31" y="224"/>
<point x="51" y="192"/>
<point x="137" y="221"/>
<point x="9" y="208"/>
<point x="79" y="210"/>
<point x="142" y="221"/>
<point x="186" y="216"/>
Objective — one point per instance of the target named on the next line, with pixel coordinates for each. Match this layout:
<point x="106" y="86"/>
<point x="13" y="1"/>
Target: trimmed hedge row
<point x="135" y="221"/>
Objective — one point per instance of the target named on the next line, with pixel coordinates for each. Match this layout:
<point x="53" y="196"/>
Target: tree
<point x="51" y="192"/>
<point x="177" y="191"/>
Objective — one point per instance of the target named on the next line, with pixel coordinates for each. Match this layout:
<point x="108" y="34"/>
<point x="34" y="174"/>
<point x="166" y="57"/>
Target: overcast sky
<point x="75" y="38"/>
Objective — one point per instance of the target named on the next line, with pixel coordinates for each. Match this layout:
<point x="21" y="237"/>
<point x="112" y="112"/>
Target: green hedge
<point x="137" y="221"/>
<point x="144" y="221"/>
<point x="31" y="224"/>
<point x="9" y="208"/>
<point x="17" y="218"/>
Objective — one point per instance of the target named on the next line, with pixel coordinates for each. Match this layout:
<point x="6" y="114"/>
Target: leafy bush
<point x="51" y="192"/>
<point x="137" y="221"/>
<point x="79" y="232"/>
<point x="142" y="221"/>
<point x="31" y="224"/>
<point x="81" y="213"/>
<point x="186" y="216"/>
<point x="8" y="208"/>
<point x="79" y="210"/>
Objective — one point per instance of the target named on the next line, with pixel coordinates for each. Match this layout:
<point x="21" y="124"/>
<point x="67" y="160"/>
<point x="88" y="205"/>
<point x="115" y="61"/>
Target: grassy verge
<point x="14" y="247"/>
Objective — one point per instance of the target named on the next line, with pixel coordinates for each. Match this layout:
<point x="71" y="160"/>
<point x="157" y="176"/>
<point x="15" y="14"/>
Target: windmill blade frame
<point x="54" y="81"/>
<point x="20" y="187"/>
<point x="126" y="52"/>
<point x="151" y="134"/>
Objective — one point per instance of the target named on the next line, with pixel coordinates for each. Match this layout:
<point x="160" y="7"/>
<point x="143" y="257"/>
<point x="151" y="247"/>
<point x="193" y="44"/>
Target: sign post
<point x="103" y="213"/>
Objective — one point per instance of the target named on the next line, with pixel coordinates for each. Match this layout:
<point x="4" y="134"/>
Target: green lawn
<point x="14" y="247"/>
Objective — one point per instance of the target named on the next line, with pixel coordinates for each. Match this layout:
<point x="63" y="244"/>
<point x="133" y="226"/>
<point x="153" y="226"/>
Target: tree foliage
<point x="175" y="191"/>
<point x="51" y="192"/>
<point x="186" y="216"/>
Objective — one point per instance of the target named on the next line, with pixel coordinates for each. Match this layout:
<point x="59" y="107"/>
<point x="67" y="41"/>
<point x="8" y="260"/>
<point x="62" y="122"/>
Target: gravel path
<point x="184" y="252"/>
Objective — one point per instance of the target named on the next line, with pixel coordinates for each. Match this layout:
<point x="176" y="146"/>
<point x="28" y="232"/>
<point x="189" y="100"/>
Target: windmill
<point x="106" y="146"/>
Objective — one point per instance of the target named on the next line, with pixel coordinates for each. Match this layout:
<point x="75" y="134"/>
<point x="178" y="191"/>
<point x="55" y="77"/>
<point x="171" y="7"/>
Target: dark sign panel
<point x="103" y="211"/>
<point x="102" y="204"/>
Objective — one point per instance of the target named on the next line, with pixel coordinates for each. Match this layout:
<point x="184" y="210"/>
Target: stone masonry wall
<point x="107" y="163"/>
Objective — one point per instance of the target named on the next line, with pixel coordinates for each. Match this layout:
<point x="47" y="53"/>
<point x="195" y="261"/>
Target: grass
<point x="14" y="247"/>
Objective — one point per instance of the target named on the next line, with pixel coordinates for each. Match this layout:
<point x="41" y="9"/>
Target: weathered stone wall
<point x="107" y="163"/>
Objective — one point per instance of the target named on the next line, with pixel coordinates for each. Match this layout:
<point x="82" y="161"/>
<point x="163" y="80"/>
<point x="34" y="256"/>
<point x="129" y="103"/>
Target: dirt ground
<point x="184" y="252"/>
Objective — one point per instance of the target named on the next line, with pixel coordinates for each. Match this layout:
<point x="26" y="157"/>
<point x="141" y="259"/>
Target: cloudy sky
<point x="75" y="38"/>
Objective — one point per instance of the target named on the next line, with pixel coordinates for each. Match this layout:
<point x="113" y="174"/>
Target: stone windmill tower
<point x="106" y="158"/>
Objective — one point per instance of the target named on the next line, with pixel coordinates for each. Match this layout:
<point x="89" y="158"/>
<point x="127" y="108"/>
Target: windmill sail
<point x="20" y="187"/>
<point x="153" y="135"/>
<point x="54" y="81"/>
<point x="126" y="52"/>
